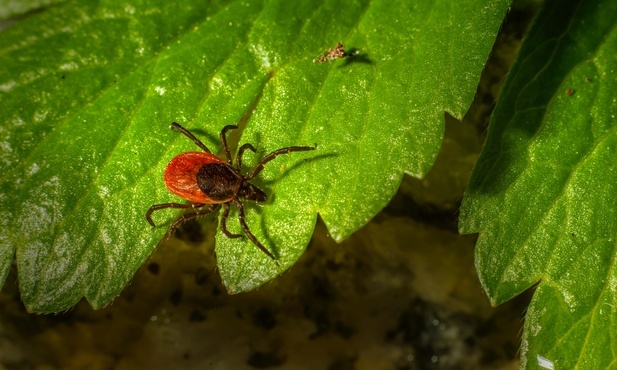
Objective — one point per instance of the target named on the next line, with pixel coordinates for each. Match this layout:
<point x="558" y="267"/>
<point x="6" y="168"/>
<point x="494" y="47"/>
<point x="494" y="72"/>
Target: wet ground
<point x="399" y="294"/>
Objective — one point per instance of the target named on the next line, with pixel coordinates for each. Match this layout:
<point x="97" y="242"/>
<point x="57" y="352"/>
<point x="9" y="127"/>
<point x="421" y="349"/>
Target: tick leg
<point x="260" y="166"/>
<point x="224" y="223"/>
<point x="241" y="152"/>
<point x="247" y="231"/>
<point x="158" y="207"/>
<point x="224" y="141"/>
<point x="190" y="136"/>
<point x="188" y="216"/>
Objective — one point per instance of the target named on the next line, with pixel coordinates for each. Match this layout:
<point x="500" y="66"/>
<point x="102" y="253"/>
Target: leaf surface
<point x="91" y="89"/>
<point x="543" y="194"/>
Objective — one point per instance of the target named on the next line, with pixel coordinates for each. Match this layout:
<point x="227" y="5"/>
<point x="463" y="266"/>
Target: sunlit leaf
<point x="89" y="90"/>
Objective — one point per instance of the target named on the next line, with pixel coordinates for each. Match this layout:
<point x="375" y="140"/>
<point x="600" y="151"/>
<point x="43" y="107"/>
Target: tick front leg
<point x="241" y="153"/>
<point x="248" y="232"/>
<point x="262" y="163"/>
<point x="224" y="141"/>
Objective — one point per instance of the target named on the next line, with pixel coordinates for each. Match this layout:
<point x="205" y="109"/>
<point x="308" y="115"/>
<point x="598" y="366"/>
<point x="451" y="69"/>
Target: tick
<point x="208" y="181"/>
<point x="335" y="53"/>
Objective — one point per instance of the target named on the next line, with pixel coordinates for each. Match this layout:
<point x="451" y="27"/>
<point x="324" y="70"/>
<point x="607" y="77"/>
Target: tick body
<point x="209" y="181"/>
<point x="337" y="52"/>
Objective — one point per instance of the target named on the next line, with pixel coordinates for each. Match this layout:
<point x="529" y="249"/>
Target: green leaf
<point x="89" y="92"/>
<point x="543" y="194"/>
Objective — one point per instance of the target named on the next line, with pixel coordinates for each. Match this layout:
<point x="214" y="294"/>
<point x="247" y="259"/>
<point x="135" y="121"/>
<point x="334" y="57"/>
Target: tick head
<point x="251" y="192"/>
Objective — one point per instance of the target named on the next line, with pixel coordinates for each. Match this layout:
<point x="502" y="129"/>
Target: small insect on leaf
<point x="337" y="52"/>
<point x="209" y="181"/>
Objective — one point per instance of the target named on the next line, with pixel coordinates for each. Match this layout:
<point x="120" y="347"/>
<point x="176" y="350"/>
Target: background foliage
<point x="543" y="192"/>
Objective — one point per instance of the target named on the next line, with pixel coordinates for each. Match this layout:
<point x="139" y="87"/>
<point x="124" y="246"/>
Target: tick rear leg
<point x="248" y="232"/>
<point x="188" y="216"/>
<point x="190" y="136"/>
<point x="224" y="223"/>
<point x="158" y="207"/>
